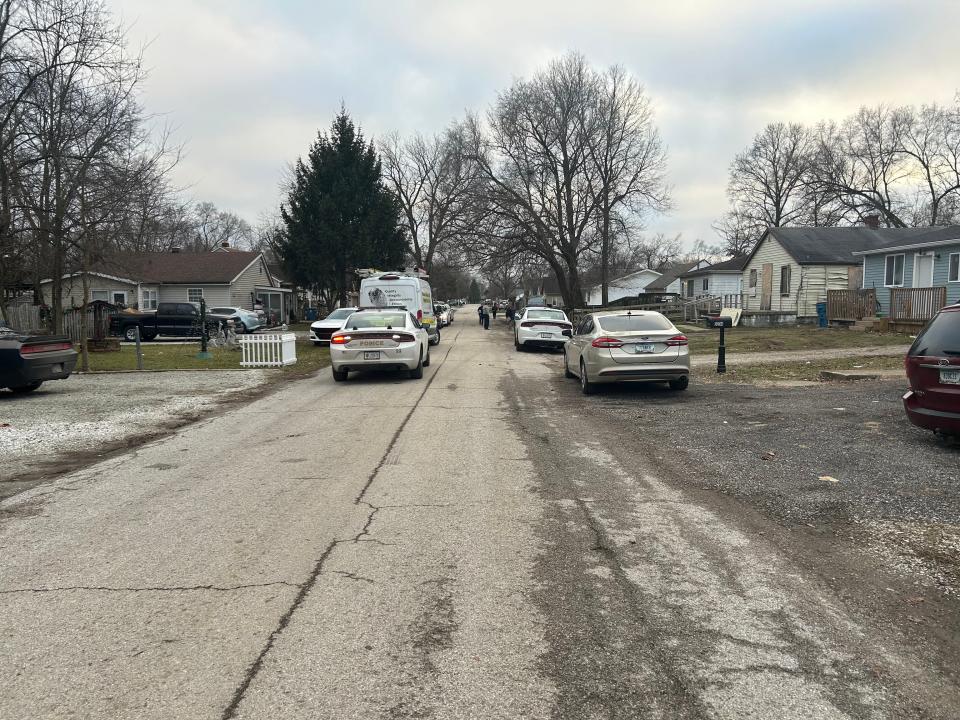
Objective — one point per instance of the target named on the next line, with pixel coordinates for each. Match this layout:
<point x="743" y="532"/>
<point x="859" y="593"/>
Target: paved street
<point x="482" y="543"/>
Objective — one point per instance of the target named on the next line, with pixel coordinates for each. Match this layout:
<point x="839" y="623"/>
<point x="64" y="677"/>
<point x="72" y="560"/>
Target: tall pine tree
<point x="339" y="216"/>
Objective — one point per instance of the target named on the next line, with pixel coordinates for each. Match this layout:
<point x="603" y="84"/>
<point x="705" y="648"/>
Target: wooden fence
<point x="851" y="305"/>
<point x="98" y="322"/>
<point x="24" y="317"/>
<point x="916" y="304"/>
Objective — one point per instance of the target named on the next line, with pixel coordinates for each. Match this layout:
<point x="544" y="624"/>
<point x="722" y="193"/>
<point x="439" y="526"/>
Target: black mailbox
<point x="719" y="322"/>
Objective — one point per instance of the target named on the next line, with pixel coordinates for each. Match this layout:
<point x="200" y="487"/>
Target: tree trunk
<point x="84" y="342"/>
<point x="605" y="258"/>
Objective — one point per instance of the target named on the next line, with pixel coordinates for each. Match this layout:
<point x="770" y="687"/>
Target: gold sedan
<point x="627" y="346"/>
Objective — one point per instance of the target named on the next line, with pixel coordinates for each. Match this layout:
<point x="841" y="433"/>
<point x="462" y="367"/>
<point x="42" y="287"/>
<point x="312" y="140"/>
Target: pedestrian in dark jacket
<point x="480" y="313"/>
<point x="486" y="318"/>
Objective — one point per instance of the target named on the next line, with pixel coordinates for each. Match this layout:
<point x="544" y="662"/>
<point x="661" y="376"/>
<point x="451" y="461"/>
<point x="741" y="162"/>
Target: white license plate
<point x="546" y="335"/>
<point x="643" y="348"/>
<point x="371" y="355"/>
<point x="950" y="377"/>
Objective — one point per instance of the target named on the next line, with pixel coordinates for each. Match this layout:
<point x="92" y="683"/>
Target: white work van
<point x="392" y="289"/>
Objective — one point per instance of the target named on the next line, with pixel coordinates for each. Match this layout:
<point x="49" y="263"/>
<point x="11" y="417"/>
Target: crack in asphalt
<point x="230" y="711"/>
<point x="154" y="588"/>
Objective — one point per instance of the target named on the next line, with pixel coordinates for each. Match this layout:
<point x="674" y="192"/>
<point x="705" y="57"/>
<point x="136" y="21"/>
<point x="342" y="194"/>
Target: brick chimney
<point x="225" y="244"/>
<point x="871" y="221"/>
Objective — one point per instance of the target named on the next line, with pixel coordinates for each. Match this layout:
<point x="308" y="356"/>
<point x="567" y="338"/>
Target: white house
<point x="670" y="283"/>
<point x="719" y="279"/>
<point x="630" y="285"/>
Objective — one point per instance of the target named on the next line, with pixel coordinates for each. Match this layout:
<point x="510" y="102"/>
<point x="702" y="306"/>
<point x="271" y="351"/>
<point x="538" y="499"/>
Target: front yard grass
<point x="797" y="371"/>
<point x="184" y="357"/>
<point x="745" y="339"/>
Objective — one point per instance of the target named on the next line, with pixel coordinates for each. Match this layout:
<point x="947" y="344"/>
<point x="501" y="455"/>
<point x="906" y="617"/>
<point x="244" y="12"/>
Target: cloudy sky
<point x="247" y="83"/>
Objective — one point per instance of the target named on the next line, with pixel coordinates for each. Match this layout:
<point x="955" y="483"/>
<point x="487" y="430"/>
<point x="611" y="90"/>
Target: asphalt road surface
<point x="481" y="543"/>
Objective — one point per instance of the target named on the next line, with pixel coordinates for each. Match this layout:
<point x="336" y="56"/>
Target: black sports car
<point x="27" y="360"/>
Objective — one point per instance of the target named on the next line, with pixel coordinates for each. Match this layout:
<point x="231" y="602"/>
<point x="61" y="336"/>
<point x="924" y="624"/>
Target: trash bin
<point x="311" y="314"/>
<point x="822" y="314"/>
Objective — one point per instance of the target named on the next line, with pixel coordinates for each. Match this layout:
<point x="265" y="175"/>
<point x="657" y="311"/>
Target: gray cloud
<point x="248" y="84"/>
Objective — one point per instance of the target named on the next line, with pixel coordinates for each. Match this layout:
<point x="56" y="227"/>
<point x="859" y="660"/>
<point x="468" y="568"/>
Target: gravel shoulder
<point x="758" y="358"/>
<point x="67" y="423"/>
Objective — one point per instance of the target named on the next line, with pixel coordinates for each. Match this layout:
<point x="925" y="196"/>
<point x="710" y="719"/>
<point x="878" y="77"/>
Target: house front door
<point x="854" y="278"/>
<point x="766" y="290"/>
<point x="922" y="270"/>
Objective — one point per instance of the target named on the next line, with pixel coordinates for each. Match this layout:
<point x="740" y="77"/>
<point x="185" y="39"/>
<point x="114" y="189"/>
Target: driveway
<point x="67" y="422"/>
<point x="482" y="543"/>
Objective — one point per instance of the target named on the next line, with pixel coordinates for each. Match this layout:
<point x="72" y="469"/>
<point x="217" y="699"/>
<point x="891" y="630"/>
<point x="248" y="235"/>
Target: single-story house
<point x="716" y="280"/>
<point x="143" y="280"/>
<point x="918" y="258"/>
<point x="791" y="268"/>
<point x="629" y="285"/>
<point x="669" y="283"/>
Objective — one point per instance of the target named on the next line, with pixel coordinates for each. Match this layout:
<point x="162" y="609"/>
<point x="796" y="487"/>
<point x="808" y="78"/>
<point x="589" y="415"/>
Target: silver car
<point x="627" y="346"/>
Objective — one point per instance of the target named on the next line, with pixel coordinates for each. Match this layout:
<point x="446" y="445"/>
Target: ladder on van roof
<point x="364" y="273"/>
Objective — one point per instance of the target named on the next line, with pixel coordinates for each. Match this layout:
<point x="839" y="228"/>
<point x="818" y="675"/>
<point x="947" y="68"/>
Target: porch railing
<point x="916" y="304"/>
<point x="851" y="304"/>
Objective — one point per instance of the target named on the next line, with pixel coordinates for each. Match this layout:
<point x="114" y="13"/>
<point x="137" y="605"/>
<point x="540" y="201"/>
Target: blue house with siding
<point x="914" y="271"/>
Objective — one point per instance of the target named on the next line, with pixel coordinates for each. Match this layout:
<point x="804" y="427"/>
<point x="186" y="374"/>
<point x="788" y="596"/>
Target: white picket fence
<point x="268" y="350"/>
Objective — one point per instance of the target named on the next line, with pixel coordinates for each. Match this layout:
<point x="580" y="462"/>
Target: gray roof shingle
<point x="835" y="245"/>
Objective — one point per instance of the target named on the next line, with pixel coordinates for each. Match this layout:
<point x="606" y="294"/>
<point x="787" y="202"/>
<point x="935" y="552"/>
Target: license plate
<point x="643" y="348"/>
<point x="371" y="355"/>
<point x="950" y="377"/>
<point x="546" y="335"/>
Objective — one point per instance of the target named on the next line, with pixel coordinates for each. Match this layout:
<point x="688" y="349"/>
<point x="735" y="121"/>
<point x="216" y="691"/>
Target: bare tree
<point x="434" y="184"/>
<point x="628" y="158"/>
<point x="931" y="138"/>
<point x="214" y="228"/>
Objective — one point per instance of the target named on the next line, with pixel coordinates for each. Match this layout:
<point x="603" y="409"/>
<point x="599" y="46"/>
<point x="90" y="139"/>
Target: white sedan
<point x="379" y="339"/>
<point x="542" y="327"/>
<point x="321" y="330"/>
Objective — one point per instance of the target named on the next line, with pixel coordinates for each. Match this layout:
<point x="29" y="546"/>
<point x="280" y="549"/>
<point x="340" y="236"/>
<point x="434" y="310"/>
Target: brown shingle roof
<point x="177" y="268"/>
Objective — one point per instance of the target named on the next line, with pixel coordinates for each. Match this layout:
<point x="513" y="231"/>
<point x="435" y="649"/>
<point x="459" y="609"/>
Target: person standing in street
<point x="480" y="313"/>
<point x="486" y="317"/>
<point x="494" y="309"/>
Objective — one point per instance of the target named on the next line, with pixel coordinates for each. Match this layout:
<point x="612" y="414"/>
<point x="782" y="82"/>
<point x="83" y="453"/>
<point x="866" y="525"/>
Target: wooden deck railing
<point x="851" y="304"/>
<point x="916" y="304"/>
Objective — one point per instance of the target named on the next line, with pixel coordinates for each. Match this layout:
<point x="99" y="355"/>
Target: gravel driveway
<point x="68" y="420"/>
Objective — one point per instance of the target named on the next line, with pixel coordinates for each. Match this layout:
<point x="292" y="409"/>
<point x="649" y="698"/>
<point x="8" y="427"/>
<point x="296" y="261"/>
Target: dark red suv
<point x="933" y="368"/>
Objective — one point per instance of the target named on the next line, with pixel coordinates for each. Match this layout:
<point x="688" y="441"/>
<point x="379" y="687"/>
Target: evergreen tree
<point x="474" y="294"/>
<point x="339" y="216"/>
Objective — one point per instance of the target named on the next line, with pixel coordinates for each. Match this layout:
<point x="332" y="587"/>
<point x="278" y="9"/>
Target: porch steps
<point x="867" y="324"/>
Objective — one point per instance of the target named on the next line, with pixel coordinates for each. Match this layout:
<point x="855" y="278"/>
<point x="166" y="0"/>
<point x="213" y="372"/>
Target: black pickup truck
<point x="169" y="319"/>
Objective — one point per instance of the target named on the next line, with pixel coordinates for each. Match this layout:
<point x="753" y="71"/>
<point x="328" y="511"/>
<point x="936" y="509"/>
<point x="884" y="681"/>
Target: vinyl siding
<point x="242" y="290"/>
<point x="213" y="294"/>
<point x="875" y="268"/>
<point x="621" y="288"/>
<point x="73" y="290"/>
<point x="771" y="252"/>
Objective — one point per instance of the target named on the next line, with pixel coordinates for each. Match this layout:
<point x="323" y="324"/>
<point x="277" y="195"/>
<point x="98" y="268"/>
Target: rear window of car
<point x="545" y="315"/>
<point x="941" y="337"/>
<point x="359" y="321"/>
<point x="634" y="323"/>
<point x="222" y="311"/>
<point x="340" y="314"/>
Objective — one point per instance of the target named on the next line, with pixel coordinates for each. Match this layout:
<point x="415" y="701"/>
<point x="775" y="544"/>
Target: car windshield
<point x="634" y="323"/>
<point x="222" y="311"/>
<point x="340" y="314"/>
<point x="546" y="315"/>
<point x="362" y="320"/>
<point x="941" y="337"/>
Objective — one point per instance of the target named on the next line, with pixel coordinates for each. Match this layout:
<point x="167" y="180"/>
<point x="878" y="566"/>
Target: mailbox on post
<point x="722" y="322"/>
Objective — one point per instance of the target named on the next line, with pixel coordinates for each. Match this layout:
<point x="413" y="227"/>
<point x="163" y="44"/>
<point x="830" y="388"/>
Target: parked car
<point x="612" y="346"/>
<point x="933" y="369"/>
<point x="321" y="330"/>
<point x="541" y="327"/>
<point x="445" y="314"/>
<point x="245" y="321"/>
<point x="380" y="339"/>
<point x="169" y="319"/>
<point x="27" y="361"/>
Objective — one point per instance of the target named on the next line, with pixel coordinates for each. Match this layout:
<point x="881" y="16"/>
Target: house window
<point x="753" y="278"/>
<point x="953" y="268"/>
<point x="893" y="271"/>
<point x="784" y="280"/>
<point x="148" y="299"/>
<point x="103" y="295"/>
<point x="194" y="295"/>
<point x="119" y="297"/>
<point x="706" y="284"/>
<point x="690" y="288"/>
